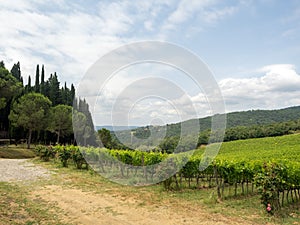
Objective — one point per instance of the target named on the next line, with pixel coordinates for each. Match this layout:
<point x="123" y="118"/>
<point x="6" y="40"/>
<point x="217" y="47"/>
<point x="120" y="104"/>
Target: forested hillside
<point x="240" y="125"/>
<point x="246" y="118"/>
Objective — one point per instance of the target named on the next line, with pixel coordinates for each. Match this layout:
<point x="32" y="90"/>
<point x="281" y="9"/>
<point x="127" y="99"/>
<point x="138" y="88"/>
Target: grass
<point x="282" y="147"/>
<point x="17" y="207"/>
<point x="16" y="152"/>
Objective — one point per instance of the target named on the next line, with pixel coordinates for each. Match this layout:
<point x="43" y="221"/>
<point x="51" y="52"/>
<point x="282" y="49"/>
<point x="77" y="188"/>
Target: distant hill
<point x="116" y="128"/>
<point x="234" y="119"/>
<point x="252" y="117"/>
<point x="243" y="118"/>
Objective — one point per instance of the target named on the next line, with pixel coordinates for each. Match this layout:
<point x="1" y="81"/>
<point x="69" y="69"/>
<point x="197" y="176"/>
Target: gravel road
<point x="20" y="170"/>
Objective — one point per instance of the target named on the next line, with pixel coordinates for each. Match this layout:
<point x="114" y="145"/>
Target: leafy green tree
<point x="60" y="121"/>
<point x="30" y="112"/>
<point x="9" y="87"/>
<point x="86" y="134"/>
<point x="84" y="108"/>
<point x="169" y="144"/>
<point x="79" y="124"/>
<point x="105" y="137"/>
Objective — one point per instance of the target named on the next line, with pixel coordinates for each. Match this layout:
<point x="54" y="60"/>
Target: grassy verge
<point x="16" y="152"/>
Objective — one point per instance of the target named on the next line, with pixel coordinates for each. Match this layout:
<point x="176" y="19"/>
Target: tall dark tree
<point x="28" y="87"/>
<point x="83" y="107"/>
<point x="37" y="79"/>
<point x="64" y="94"/>
<point x="72" y="95"/>
<point x="42" y="85"/>
<point x="16" y="72"/>
<point x="54" y="90"/>
<point x="2" y="65"/>
<point x="10" y="87"/>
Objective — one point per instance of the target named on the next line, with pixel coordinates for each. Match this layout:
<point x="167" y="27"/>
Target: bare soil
<point x="93" y="208"/>
<point x="21" y="170"/>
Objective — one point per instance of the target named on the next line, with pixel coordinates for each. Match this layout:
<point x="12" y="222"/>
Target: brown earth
<point x="93" y="208"/>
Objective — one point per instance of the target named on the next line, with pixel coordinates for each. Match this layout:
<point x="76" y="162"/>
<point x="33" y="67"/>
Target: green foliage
<point x="88" y="135"/>
<point x="105" y="138"/>
<point x="79" y="124"/>
<point x="78" y="157"/>
<point x="16" y="72"/>
<point x="30" y="112"/>
<point x="60" y="120"/>
<point x="44" y="152"/>
<point x="37" y="79"/>
<point x="11" y="90"/>
<point x="276" y="178"/>
<point x="9" y="87"/>
<point x="64" y="154"/>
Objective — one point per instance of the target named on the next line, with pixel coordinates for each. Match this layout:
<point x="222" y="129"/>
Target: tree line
<point x="41" y="112"/>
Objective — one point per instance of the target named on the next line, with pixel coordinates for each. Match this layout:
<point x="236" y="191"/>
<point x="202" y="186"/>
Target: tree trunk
<point x="29" y="139"/>
<point x="58" y="134"/>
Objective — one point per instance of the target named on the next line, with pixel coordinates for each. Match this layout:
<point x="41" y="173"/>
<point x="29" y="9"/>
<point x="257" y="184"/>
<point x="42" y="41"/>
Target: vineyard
<point x="269" y="167"/>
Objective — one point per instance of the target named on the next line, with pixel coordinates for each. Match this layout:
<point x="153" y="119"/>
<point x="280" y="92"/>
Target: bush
<point x="44" y="152"/>
<point x="64" y="154"/>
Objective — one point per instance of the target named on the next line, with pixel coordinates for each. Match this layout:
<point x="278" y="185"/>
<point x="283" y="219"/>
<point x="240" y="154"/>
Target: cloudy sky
<point x="251" y="46"/>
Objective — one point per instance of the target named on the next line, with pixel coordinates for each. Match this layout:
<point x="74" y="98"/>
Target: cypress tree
<point x="42" y="85"/>
<point x="28" y="86"/>
<point x="37" y="79"/>
<point x="2" y="65"/>
<point x="16" y="71"/>
<point x="72" y="95"/>
<point x="54" y="90"/>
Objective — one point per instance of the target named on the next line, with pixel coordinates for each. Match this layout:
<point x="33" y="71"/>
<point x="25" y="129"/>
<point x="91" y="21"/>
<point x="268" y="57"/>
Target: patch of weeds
<point x="17" y="207"/>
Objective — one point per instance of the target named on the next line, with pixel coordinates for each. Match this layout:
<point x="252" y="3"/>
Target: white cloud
<point x="278" y="87"/>
<point x="215" y="15"/>
<point x="69" y="37"/>
<point x="187" y="9"/>
<point x="197" y="14"/>
<point x="141" y="101"/>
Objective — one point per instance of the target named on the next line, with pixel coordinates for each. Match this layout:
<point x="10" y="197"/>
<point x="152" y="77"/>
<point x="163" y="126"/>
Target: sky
<point x="252" y="47"/>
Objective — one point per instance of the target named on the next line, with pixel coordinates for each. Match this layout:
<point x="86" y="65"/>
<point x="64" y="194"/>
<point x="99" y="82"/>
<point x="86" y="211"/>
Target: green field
<point x="16" y="152"/>
<point x="284" y="147"/>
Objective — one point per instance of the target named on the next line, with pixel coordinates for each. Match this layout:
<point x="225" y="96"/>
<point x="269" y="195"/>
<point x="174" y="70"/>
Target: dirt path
<point x="21" y="170"/>
<point x="91" y="208"/>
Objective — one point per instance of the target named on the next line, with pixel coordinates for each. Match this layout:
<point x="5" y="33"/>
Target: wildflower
<point x="269" y="207"/>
